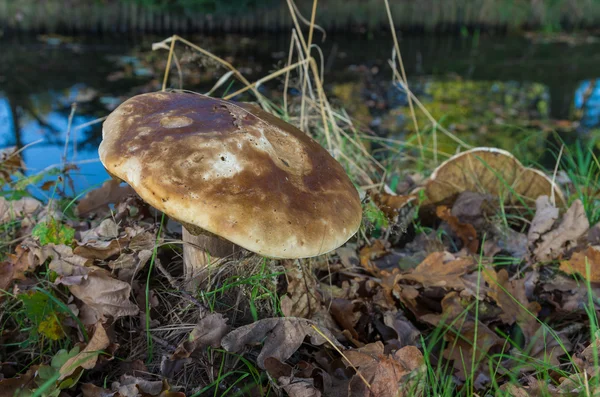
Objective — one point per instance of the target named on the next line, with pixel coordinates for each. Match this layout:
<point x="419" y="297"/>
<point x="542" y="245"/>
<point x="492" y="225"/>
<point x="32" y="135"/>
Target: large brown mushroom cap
<point x="233" y="170"/>
<point x="490" y="171"/>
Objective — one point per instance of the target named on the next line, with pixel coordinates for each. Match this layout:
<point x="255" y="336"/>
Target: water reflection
<point x="472" y="87"/>
<point x="44" y="135"/>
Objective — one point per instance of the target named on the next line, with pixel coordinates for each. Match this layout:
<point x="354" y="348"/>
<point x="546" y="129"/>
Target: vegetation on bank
<point x="179" y="16"/>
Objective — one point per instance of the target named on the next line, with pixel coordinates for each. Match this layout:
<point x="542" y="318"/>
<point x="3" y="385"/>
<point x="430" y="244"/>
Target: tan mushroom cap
<point x="492" y="171"/>
<point x="234" y="170"/>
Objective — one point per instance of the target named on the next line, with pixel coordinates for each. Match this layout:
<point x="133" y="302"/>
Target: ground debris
<point x="283" y="337"/>
<point x="552" y="243"/>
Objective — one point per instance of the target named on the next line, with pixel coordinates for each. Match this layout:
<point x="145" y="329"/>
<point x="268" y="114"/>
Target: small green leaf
<point x="46" y="372"/>
<point x="53" y="232"/>
<point x="62" y="356"/>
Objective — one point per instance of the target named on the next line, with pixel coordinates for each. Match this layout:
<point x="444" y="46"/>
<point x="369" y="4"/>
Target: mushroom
<point x="233" y="175"/>
<point x="490" y="171"/>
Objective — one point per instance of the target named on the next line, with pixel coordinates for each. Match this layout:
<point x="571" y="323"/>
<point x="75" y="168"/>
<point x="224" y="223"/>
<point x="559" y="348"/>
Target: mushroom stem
<point x="202" y="251"/>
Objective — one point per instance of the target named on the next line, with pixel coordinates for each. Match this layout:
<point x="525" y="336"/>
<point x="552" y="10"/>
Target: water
<point x="40" y="78"/>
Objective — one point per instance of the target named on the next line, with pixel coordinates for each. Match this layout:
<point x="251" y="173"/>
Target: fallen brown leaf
<point x="90" y="390"/>
<point x="545" y="216"/>
<point x="581" y="261"/>
<point x="107" y="296"/>
<point x="343" y="312"/>
<point x="392" y="205"/>
<point x="510" y="296"/>
<point x="553" y="244"/>
<point x="407" y="333"/>
<point x="371" y="252"/>
<point x="88" y="357"/>
<point x="129" y="386"/>
<point x="441" y="269"/>
<point x="384" y="374"/>
<point x="209" y="332"/>
<point x="11" y="387"/>
<point x="99" y="199"/>
<point x="281" y="336"/>
<point x="465" y="231"/>
<point x="303" y="298"/>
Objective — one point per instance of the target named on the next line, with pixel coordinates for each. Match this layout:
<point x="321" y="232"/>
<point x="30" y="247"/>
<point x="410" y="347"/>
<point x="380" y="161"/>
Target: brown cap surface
<point x="234" y="170"/>
<point x="491" y="171"/>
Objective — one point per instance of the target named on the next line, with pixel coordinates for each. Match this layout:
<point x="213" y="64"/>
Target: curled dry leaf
<point x="17" y="209"/>
<point x="441" y="269"/>
<point x="545" y="216"/>
<point x="106" y="230"/>
<point x="101" y="242"/>
<point x="96" y="200"/>
<point x="88" y="357"/>
<point x="209" y="332"/>
<point x="465" y="231"/>
<point x="385" y="374"/>
<point x="407" y="333"/>
<point x="573" y="225"/>
<point x="489" y="171"/>
<point x="281" y="336"/>
<point x="107" y="296"/>
<point x="580" y="262"/>
<point x="343" y="311"/>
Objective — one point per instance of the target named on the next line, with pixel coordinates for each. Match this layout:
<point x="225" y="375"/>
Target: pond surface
<point x="475" y="85"/>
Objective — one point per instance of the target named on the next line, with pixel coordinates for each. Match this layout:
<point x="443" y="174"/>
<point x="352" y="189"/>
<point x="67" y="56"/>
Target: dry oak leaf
<point x="281" y="336"/>
<point x="511" y="297"/>
<point x="554" y="243"/>
<point x="208" y="332"/>
<point x="385" y="374"/>
<point x="580" y="261"/>
<point x="441" y="269"/>
<point x="107" y="296"/>
<point x="465" y="231"/>
<point x="88" y="357"/>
